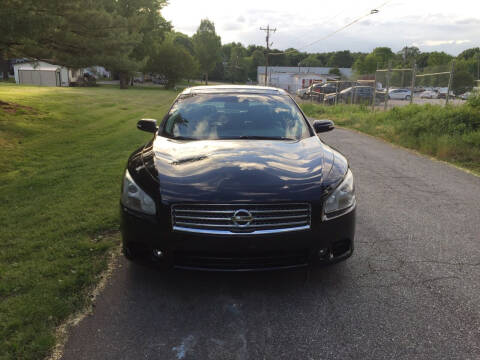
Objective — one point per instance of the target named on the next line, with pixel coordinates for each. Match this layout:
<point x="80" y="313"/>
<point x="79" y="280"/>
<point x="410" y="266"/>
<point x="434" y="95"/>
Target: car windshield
<point x="235" y="116"/>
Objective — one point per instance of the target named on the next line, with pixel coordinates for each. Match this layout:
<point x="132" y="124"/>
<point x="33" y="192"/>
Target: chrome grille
<point x="241" y="218"/>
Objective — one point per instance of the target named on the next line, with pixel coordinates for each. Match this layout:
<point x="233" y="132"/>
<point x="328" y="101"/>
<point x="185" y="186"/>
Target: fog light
<point x="322" y="252"/>
<point x="158" y="253"/>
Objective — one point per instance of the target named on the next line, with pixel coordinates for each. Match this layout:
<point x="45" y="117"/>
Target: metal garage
<point x="39" y="77"/>
<point x="44" y="74"/>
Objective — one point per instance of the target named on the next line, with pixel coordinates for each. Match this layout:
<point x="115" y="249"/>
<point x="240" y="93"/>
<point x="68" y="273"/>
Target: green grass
<point x="449" y="133"/>
<point x="62" y="156"/>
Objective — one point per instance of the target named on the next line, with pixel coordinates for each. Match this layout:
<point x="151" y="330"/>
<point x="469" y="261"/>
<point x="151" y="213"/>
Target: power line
<point x="267" y="30"/>
<point x="325" y="20"/>
<point x="371" y="12"/>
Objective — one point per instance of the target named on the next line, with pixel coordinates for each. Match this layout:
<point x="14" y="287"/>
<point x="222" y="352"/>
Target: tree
<point x="463" y="78"/>
<point x="81" y="33"/>
<point x="277" y="58"/>
<point x="462" y="82"/>
<point x="383" y="55"/>
<point x="469" y="53"/>
<point x="378" y="58"/>
<point x="437" y="58"/>
<point x="146" y="23"/>
<point x="172" y="61"/>
<point x="341" y="59"/>
<point x="236" y="62"/>
<point x="4" y="68"/>
<point x="256" y="59"/>
<point x="311" y="60"/>
<point x="366" y="65"/>
<point x="57" y="32"/>
<point x="294" y="57"/>
<point x="422" y="60"/>
<point x="207" y="47"/>
<point x="184" y="40"/>
<point x="335" y="71"/>
<point x="408" y="54"/>
<point x="237" y="67"/>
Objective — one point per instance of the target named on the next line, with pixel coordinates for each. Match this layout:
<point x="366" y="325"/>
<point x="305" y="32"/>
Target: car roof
<point x="234" y="89"/>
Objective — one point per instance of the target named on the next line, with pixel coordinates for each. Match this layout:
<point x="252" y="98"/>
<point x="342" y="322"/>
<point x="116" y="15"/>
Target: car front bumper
<point x="149" y="239"/>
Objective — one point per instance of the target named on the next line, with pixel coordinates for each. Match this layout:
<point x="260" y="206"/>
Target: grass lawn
<point x="447" y="133"/>
<point x="62" y="156"/>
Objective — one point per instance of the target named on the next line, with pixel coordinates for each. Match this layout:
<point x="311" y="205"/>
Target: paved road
<point x="410" y="291"/>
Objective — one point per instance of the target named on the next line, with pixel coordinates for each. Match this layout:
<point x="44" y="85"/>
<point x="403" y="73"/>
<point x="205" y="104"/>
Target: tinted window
<point x="230" y="116"/>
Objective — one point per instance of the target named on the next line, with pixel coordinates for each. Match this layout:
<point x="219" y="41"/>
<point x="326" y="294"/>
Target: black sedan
<point x="235" y="179"/>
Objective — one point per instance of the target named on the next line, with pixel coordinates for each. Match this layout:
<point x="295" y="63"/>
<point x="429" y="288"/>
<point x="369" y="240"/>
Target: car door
<point x="395" y="94"/>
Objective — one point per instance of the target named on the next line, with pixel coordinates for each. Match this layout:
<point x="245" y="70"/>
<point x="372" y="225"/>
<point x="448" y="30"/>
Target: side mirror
<point x="323" y="125"/>
<point x="149" y="125"/>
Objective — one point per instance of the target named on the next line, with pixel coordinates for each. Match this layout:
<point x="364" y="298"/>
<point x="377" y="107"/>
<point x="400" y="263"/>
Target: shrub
<point x="449" y="133"/>
<point x="474" y="100"/>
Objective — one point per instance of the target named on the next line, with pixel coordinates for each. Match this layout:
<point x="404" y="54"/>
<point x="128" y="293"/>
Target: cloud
<point x="430" y="24"/>
<point x="442" y="42"/>
<point x="231" y="26"/>
<point x="468" y="21"/>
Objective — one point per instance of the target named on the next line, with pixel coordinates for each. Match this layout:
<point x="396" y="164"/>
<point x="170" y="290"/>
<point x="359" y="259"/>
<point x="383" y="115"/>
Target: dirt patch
<point x="13" y="108"/>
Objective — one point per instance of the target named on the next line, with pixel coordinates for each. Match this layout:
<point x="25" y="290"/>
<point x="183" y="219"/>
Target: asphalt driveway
<point x="411" y="289"/>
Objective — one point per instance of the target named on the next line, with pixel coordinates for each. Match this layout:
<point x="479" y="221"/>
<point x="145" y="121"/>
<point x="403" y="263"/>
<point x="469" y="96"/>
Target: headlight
<point x="133" y="197"/>
<point x="342" y="199"/>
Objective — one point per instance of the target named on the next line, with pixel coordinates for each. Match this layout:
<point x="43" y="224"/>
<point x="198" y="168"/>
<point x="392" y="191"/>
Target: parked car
<point x="465" y="96"/>
<point x="302" y="93"/>
<point x="355" y="94"/>
<point x="159" y="80"/>
<point x="442" y="94"/>
<point x="429" y="94"/>
<point x="315" y="92"/>
<point x="399" y="94"/>
<point x="235" y="178"/>
<point x="328" y="88"/>
<point x="322" y="88"/>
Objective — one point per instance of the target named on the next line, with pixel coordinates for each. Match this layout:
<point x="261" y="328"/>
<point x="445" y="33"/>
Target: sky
<point x="431" y="25"/>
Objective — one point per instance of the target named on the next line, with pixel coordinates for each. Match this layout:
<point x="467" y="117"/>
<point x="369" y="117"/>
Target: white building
<point x="43" y="73"/>
<point x="292" y="78"/>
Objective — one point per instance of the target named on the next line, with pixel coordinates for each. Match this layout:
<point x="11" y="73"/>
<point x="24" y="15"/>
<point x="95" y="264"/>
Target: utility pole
<point x="450" y="82"/>
<point x="414" y="76"/>
<point x="267" y="30"/>
<point x="405" y="54"/>
<point x="389" y="71"/>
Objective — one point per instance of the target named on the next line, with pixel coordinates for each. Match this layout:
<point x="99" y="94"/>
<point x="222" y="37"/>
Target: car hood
<point x="241" y="170"/>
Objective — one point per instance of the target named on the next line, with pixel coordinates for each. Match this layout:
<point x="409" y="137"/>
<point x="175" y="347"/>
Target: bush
<point x="449" y="133"/>
<point x="474" y="101"/>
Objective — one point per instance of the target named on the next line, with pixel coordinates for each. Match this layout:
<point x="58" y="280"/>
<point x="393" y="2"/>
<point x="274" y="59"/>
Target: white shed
<point x="45" y="74"/>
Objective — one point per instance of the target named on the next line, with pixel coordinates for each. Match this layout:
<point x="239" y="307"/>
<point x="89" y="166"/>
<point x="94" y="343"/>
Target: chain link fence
<point x="390" y="87"/>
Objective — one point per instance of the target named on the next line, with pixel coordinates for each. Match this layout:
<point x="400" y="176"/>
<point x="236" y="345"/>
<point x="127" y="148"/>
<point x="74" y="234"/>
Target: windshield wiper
<point x="257" y="137"/>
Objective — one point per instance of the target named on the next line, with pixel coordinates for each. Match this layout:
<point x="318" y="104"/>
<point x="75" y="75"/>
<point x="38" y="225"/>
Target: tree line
<point x="127" y="36"/>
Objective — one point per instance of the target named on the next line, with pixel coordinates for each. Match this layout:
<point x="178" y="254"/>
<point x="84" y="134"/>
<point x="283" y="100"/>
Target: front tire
<point x="127" y="252"/>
